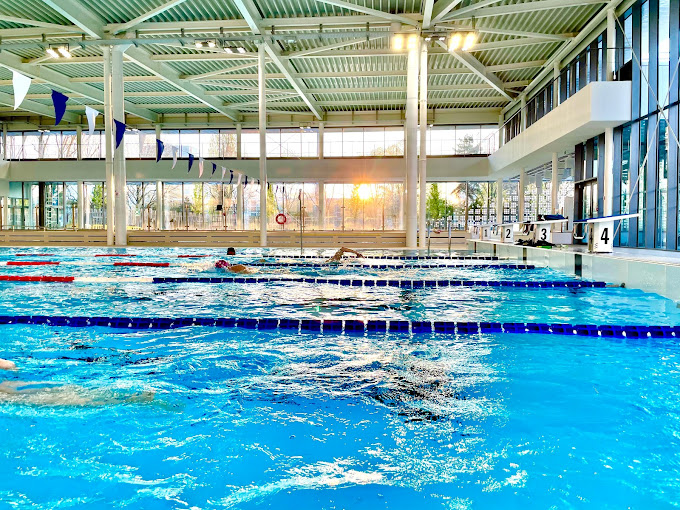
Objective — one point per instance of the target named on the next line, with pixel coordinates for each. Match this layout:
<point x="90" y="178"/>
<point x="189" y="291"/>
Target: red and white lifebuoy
<point x="281" y="219"/>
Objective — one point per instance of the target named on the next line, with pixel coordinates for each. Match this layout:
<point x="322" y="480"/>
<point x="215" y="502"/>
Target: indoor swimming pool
<point x="470" y="383"/>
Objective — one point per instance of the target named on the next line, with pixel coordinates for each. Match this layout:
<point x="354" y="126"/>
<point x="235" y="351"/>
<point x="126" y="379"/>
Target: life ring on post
<point x="281" y="219"/>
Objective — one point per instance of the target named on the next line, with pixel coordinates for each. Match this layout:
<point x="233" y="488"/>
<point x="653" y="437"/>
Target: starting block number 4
<point x="602" y="238"/>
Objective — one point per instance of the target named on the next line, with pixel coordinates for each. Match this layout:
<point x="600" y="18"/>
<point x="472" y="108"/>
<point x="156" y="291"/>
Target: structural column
<point x="320" y="140"/>
<point x="523" y="113"/>
<point x="412" y="148"/>
<point x="554" y="184"/>
<point x="119" y="172"/>
<point x="108" y="144"/>
<point x="322" y="205"/>
<point x="79" y="143"/>
<point x="520" y="194"/>
<point x="608" y="175"/>
<point x="499" y="201"/>
<point x="501" y="131"/>
<point x="238" y="141"/>
<point x="81" y="205"/>
<point x="160" y="206"/>
<point x="556" y="85"/>
<point x="239" y="205"/>
<point x="262" y="110"/>
<point x="422" y="162"/>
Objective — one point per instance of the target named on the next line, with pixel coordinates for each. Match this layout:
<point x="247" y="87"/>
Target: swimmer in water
<point x="338" y="255"/>
<point x="232" y="268"/>
<point x="56" y="394"/>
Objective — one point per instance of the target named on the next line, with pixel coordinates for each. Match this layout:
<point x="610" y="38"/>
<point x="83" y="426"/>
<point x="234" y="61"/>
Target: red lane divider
<point x="115" y="255"/>
<point x="32" y="263"/>
<point x="48" y="279"/>
<point x="192" y="256"/>
<point x="34" y="254"/>
<point x="143" y="264"/>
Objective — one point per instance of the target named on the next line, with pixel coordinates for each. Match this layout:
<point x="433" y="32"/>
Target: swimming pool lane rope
<point x="349" y="326"/>
<point x="346" y="282"/>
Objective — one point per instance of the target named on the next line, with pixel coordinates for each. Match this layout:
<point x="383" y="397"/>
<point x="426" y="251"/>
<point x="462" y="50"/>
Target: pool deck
<point x="648" y="270"/>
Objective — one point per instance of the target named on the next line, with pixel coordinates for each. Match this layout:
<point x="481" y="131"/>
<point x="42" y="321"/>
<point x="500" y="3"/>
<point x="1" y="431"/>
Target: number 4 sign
<point x="602" y="238"/>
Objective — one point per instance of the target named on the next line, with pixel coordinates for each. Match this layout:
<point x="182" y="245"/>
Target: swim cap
<point x="222" y="264"/>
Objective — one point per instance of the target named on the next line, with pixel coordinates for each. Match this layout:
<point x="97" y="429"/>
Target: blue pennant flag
<point x="59" y="101"/>
<point x="159" y="149"/>
<point x="191" y="162"/>
<point x="245" y="183"/>
<point x="231" y="176"/>
<point x="214" y="169"/>
<point x="258" y="182"/>
<point x="120" y="131"/>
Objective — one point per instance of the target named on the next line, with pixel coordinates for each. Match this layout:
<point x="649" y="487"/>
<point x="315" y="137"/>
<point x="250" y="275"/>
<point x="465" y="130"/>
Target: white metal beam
<point x="374" y="102"/>
<point x="469" y="9"/>
<point x="93" y="25"/>
<point x="371" y="12"/>
<point x="149" y="14"/>
<point x="83" y="18"/>
<point x="41" y="24"/>
<point x="478" y="68"/>
<point x="540" y="5"/>
<point x="252" y="16"/>
<point x="427" y="13"/>
<point x="441" y="9"/>
<point x="37" y="108"/>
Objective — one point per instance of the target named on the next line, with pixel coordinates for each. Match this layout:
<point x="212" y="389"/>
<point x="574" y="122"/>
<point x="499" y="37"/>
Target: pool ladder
<point x="429" y="234"/>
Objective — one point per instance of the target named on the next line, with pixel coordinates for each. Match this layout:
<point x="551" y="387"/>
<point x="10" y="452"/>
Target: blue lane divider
<point x="384" y="257"/>
<point x="352" y="282"/>
<point x="351" y="326"/>
<point x="392" y="266"/>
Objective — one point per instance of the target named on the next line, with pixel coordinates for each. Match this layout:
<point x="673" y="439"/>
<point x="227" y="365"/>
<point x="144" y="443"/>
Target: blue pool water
<point x="204" y="418"/>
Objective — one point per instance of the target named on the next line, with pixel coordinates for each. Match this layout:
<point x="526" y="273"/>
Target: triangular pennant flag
<point x="160" y="146"/>
<point x="191" y="162"/>
<point x="200" y="167"/>
<point x="21" y="84"/>
<point x="120" y="131"/>
<point x="59" y="102"/>
<point x="174" y="156"/>
<point x="246" y="182"/>
<point x="231" y="176"/>
<point x="214" y="169"/>
<point x="91" y="114"/>
<point x="224" y="171"/>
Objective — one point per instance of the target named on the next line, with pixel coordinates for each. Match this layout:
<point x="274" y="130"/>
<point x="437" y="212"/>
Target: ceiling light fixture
<point x="397" y="42"/>
<point x="463" y="41"/>
<point x="241" y="49"/>
<point x="470" y="41"/>
<point x="455" y="41"/>
<point x="64" y="51"/>
<point x="59" y="51"/>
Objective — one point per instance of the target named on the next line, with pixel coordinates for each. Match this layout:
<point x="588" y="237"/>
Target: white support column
<point x="322" y="205"/>
<point x="608" y="176"/>
<point x="554" y="184"/>
<point x="523" y="113"/>
<point x="412" y="148"/>
<point x="108" y="144"/>
<point x="81" y="205"/>
<point x="520" y="193"/>
<point x="422" y="162"/>
<point x="499" y="201"/>
<point x="320" y="139"/>
<point x="262" y="111"/>
<point x="160" y="207"/>
<point x="79" y="143"/>
<point x="119" y="173"/>
<point x="556" y="85"/>
<point x="501" y="131"/>
<point x="238" y="141"/>
<point x="239" y="206"/>
<point x="4" y="146"/>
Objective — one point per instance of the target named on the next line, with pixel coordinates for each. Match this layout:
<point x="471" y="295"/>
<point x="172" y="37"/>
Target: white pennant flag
<point x="200" y="167"/>
<point x="174" y="156"/>
<point x="91" y="116"/>
<point x="21" y="84"/>
<point x="224" y="171"/>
